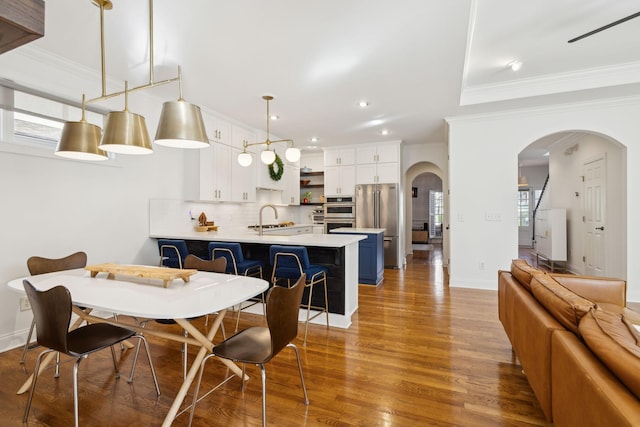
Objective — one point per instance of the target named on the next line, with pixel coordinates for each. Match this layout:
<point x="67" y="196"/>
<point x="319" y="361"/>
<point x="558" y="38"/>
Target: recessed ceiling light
<point x="363" y="104"/>
<point x="515" y="65"/>
<point x="274" y="117"/>
<point x="384" y="131"/>
<point x="314" y="139"/>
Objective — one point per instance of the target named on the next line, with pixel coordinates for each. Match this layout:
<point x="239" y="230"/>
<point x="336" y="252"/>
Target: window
<point x="436" y="210"/>
<point x="523" y="208"/>
<point x="33" y="118"/>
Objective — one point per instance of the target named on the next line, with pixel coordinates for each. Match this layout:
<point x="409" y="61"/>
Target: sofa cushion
<point x="614" y="340"/>
<point x="563" y="304"/>
<point x="597" y="289"/>
<point x="523" y="272"/>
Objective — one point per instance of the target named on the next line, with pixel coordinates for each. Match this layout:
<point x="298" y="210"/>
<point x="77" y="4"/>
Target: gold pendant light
<point x="79" y="140"/>
<point x="180" y="123"/>
<point x="126" y="132"/>
<point x="268" y="156"/>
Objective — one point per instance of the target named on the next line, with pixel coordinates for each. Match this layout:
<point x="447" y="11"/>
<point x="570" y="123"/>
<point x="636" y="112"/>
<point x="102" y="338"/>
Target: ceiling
<point x="415" y="61"/>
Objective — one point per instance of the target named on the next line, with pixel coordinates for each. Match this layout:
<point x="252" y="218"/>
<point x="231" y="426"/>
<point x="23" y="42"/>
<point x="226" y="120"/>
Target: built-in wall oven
<point x="339" y="212"/>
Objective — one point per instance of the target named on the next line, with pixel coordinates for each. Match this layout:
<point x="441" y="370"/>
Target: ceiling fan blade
<point x="597" y="30"/>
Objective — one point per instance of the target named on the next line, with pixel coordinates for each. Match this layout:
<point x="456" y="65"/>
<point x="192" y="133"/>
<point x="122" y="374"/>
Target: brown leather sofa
<point x="576" y="343"/>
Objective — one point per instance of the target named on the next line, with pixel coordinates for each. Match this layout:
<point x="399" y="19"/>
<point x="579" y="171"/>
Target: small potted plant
<point x="306" y="197"/>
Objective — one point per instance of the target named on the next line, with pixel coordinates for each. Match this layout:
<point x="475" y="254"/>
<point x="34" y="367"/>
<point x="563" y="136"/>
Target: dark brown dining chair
<point x="217" y="265"/>
<point x="41" y="265"/>
<point x="258" y="345"/>
<point x="52" y="311"/>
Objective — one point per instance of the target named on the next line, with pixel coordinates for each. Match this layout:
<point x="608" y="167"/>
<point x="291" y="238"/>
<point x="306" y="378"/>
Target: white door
<point x="595" y="174"/>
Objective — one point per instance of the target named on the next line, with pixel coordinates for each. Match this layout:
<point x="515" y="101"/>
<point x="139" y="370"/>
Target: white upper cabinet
<point x="208" y="173"/>
<point x="378" y="163"/>
<point x="339" y="180"/>
<point x="339" y="156"/>
<point x="378" y="173"/>
<point x="379" y="153"/>
<point x="291" y="178"/>
<point x="218" y="130"/>
<point x="208" y="170"/>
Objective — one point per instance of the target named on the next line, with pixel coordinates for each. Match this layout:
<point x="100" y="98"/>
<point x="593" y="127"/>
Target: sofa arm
<point x="597" y="289"/>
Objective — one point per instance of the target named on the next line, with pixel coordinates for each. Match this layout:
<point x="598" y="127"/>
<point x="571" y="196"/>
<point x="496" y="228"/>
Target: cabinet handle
<point x="600" y="228"/>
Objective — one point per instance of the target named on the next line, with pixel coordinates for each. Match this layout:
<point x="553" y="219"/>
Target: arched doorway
<point x="587" y="181"/>
<point x="425" y="198"/>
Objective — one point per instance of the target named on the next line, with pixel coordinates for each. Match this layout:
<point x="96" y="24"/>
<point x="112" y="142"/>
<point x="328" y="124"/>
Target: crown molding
<point x="593" y="78"/>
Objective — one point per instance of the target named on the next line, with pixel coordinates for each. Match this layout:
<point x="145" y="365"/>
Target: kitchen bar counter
<point x="338" y="252"/>
<point x="270" y="237"/>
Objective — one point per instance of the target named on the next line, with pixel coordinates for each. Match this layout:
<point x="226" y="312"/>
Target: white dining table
<point x="203" y="294"/>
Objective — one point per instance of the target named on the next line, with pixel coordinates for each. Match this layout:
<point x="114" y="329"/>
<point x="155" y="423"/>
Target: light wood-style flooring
<point x="419" y="353"/>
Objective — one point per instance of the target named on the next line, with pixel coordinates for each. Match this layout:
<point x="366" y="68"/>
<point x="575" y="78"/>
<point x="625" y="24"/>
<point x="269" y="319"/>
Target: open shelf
<point x="314" y="188"/>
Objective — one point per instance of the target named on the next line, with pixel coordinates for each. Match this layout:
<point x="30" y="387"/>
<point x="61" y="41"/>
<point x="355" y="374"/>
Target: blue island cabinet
<point x="370" y="254"/>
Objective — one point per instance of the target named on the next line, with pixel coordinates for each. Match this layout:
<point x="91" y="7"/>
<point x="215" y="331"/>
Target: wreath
<point x="272" y="172"/>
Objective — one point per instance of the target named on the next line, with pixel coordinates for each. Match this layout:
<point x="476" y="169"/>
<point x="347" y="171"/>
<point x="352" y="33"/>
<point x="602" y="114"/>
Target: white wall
<point x="483" y="174"/>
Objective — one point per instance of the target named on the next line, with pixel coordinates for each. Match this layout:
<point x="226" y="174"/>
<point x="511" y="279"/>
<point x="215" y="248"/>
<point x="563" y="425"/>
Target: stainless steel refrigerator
<point x="377" y="207"/>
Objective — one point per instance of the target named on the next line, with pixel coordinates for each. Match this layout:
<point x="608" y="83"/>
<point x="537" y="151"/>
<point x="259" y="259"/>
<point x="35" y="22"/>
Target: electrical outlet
<point x="24" y="304"/>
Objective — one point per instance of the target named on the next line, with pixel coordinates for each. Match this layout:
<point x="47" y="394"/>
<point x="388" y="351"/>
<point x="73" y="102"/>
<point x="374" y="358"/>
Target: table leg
<point x="206" y="346"/>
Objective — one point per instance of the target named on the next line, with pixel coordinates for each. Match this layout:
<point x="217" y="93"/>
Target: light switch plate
<point x="24" y="304"/>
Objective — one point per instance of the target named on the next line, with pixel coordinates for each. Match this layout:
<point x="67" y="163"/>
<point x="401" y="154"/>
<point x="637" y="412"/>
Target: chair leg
<point x="326" y="301"/>
<point x="304" y="388"/>
<point x="75" y="388"/>
<point x="26" y="345"/>
<point x="185" y="348"/>
<point x="115" y="362"/>
<point x="263" y="374"/>
<point x="244" y="369"/>
<point x="306" y="325"/>
<point x="238" y="316"/>
<point x="142" y="339"/>
<point x="57" y="371"/>
<point x="115" y="317"/>
<point x="135" y="356"/>
<point x="33" y="385"/>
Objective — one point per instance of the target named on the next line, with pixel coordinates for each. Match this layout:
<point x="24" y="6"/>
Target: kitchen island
<point x="337" y="252"/>
<point x="370" y="253"/>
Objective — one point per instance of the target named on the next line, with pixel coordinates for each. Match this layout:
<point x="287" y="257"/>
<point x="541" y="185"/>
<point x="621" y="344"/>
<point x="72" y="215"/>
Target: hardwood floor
<point x="418" y="353"/>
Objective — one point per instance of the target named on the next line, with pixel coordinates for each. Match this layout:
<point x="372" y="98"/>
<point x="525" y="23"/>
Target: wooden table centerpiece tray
<point x="167" y="275"/>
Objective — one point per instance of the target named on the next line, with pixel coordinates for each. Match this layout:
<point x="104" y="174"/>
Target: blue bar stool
<point x="239" y="265"/>
<point x="172" y="252"/>
<point x="291" y="262"/>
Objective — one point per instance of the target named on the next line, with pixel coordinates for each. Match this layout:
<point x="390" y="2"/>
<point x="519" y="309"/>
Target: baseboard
<point x="13" y="340"/>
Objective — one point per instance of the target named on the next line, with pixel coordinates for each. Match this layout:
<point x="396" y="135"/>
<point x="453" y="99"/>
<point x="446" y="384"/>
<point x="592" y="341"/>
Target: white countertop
<point x="250" y="236"/>
<point x="347" y="230"/>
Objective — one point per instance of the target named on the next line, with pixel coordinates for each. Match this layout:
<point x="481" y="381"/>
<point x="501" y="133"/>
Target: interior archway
<point x="423" y="168"/>
<point x="565" y="156"/>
